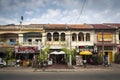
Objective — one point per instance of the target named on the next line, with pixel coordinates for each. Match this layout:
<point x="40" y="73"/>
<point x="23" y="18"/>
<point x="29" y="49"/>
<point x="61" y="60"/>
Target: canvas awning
<point x="55" y="52"/>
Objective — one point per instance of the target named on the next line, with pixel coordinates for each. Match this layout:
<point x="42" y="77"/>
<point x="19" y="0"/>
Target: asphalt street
<point x="83" y="75"/>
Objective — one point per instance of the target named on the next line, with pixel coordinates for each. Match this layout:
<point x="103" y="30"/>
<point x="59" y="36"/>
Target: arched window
<point x="56" y="36"/>
<point x="49" y="36"/>
<point x="62" y="36"/>
<point x="87" y="36"/>
<point x="74" y="37"/>
<point x="80" y="36"/>
<point x="119" y="35"/>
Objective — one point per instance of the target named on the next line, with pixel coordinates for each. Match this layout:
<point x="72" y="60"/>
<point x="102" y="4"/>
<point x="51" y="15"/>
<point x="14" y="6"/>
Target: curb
<point x="57" y="70"/>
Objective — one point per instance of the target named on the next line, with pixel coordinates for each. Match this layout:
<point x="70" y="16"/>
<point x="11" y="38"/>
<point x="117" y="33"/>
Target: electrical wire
<point x="82" y="8"/>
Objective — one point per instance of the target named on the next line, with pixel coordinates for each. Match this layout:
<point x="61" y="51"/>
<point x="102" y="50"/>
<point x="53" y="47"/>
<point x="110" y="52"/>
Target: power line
<point x="83" y="5"/>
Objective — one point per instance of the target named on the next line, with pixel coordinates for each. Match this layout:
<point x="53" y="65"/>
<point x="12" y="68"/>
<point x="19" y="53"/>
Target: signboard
<point x="25" y="49"/>
<point x="107" y="36"/>
<point x="83" y="48"/>
<point x="78" y="60"/>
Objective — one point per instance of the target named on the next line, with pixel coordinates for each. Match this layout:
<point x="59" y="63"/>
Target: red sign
<point x="25" y="49"/>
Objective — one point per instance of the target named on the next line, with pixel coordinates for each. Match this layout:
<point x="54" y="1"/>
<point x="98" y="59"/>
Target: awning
<point x="85" y="53"/>
<point x="55" y="52"/>
<point x="106" y="44"/>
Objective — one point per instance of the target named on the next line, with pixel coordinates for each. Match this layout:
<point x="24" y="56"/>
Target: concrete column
<point x="20" y="38"/>
<point x="44" y="38"/>
<point x="117" y="37"/>
<point x="68" y="38"/>
<point x="77" y="36"/>
<point x="84" y="34"/>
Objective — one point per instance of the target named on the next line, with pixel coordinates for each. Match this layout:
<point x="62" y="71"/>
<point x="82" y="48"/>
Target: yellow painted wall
<point x="107" y="36"/>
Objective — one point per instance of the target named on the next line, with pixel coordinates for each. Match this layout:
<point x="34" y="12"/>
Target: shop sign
<point x="25" y="49"/>
<point x="83" y="48"/>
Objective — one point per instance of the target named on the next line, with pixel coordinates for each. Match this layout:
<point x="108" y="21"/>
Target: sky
<point x="59" y="11"/>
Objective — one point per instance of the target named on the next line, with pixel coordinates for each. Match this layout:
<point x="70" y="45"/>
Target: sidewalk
<point x="75" y="68"/>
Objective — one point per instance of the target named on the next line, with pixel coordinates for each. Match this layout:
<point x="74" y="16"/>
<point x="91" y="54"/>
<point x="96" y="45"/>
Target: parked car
<point x="2" y="63"/>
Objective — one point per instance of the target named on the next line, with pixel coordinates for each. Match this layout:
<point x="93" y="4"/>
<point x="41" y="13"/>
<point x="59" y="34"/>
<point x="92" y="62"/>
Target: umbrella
<point x="85" y="53"/>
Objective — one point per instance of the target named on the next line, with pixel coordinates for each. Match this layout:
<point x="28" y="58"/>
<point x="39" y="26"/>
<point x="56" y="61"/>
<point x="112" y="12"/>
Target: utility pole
<point x="103" y="44"/>
<point x="70" y="56"/>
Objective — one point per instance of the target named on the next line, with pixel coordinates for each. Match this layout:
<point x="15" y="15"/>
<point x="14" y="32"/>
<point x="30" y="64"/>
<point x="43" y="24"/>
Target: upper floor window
<point x="29" y="40"/>
<point x="80" y="36"/>
<point x="33" y="34"/>
<point x="74" y="37"/>
<point x="87" y="36"/>
<point x="12" y="41"/>
<point x="62" y="36"/>
<point x="49" y="36"/>
<point x="56" y="36"/>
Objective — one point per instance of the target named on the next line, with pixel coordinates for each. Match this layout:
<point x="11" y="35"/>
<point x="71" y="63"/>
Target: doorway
<point x="58" y="58"/>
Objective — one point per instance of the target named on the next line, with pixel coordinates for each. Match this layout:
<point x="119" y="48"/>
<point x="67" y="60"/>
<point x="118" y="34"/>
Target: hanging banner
<point x="26" y="49"/>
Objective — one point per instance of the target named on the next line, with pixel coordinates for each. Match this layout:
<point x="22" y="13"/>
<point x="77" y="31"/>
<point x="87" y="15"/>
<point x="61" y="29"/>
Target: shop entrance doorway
<point x="58" y="57"/>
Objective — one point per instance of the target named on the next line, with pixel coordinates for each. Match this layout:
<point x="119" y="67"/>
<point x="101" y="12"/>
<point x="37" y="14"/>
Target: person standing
<point x="106" y="59"/>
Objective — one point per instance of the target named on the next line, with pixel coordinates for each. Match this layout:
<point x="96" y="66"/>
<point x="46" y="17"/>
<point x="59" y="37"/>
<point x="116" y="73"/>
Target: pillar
<point x="20" y="36"/>
<point x="44" y="37"/>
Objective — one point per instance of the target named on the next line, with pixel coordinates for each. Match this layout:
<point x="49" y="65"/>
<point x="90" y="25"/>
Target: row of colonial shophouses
<point x="96" y="37"/>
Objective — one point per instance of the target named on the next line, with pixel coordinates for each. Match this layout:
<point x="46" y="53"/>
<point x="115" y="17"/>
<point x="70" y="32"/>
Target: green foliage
<point x="117" y="58"/>
<point x="67" y="51"/>
<point x="100" y="58"/>
<point x="44" y="54"/>
<point x="9" y="57"/>
<point x="10" y="53"/>
<point x="46" y="50"/>
<point x="70" y="52"/>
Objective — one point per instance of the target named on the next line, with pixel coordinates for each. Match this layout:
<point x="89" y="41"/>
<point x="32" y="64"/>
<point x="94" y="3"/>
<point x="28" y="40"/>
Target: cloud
<point x="59" y="11"/>
<point x="4" y="21"/>
<point x="55" y="16"/>
<point x="29" y="12"/>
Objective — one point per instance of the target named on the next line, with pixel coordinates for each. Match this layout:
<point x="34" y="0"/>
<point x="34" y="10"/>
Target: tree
<point x="44" y="54"/>
<point x="10" y="55"/>
<point x="69" y="52"/>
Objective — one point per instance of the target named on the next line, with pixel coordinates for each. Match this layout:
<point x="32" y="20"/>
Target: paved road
<point x="83" y="75"/>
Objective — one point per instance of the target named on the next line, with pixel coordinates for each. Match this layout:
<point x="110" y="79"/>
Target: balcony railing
<point x="29" y="43"/>
<point x="57" y="43"/>
<point x="8" y="44"/>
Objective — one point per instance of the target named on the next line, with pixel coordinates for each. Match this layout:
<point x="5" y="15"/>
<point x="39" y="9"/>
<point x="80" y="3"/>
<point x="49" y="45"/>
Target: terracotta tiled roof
<point x="80" y="26"/>
<point x="55" y="26"/>
<point x="102" y="26"/>
<point x="33" y="26"/>
<point x="9" y="27"/>
<point x="113" y="24"/>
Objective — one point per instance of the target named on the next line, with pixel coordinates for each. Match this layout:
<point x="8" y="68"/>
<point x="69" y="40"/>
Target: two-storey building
<point x="25" y="38"/>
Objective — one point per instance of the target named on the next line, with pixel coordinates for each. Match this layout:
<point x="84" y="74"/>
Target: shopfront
<point x="106" y="44"/>
<point x="25" y="53"/>
<point x="58" y="57"/>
